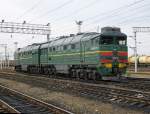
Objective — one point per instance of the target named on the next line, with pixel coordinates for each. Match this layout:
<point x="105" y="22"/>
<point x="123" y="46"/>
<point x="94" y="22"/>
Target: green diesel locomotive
<point x="85" y="55"/>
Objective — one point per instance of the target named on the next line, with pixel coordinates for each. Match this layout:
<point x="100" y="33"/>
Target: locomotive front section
<point x="113" y="53"/>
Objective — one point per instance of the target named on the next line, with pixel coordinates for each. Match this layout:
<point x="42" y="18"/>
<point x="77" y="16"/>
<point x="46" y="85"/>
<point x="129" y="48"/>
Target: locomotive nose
<point x="115" y="58"/>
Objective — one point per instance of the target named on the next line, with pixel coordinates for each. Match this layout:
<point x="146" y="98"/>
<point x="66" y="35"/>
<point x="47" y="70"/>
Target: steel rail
<point x="51" y="108"/>
<point x="131" y="83"/>
<point x="102" y="92"/>
<point x="7" y="108"/>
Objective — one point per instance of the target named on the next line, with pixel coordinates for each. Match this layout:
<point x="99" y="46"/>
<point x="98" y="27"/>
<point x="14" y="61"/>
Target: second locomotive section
<point x="85" y="55"/>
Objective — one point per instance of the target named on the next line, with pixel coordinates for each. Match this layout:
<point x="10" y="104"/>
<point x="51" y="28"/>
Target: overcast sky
<point x="63" y="13"/>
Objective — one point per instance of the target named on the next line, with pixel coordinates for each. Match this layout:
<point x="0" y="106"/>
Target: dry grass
<point x="78" y="105"/>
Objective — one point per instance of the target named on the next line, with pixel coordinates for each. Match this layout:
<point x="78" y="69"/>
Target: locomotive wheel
<point x="81" y="76"/>
<point x="49" y="72"/>
<point x="90" y="74"/>
<point x="98" y="76"/>
<point x="78" y="74"/>
<point x="29" y="70"/>
<point x="94" y="76"/>
<point x="85" y="75"/>
<point x="46" y="71"/>
<point x="53" y="72"/>
<point x="75" y="74"/>
<point x="72" y="73"/>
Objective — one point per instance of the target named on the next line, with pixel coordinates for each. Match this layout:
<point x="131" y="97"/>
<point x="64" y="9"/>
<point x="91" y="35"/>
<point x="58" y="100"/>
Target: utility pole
<point x="135" y="30"/>
<point x="5" y="55"/>
<point x="135" y="51"/>
<point x="16" y="49"/>
<point x="4" y="63"/>
<point x="79" y="23"/>
<point x="1" y="65"/>
<point x="48" y="35"/>
<point x="16" y="45"/>
<point x="8" y="60"/>
<point x="98" y="28"/>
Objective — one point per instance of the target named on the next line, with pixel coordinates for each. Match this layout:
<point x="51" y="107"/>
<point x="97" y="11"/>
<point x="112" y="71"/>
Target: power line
<point x="29" y="10"/>
<point x="78" y="10"/>
<point x="129" y="14"/>
<point x="53" y="10"/>
<point x="136" y="19"/>
<point x="114" y="11"/>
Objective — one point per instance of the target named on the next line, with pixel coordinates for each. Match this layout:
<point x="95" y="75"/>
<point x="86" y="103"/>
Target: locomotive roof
<point x="80" y="37"/>
<point x="64" y="40"/>
<point x="29" y="47"/>
<point x="71" y="40"/>
<point x="112" y="31"/>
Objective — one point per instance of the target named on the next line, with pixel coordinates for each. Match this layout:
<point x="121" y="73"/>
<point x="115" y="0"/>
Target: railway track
<point x="141" y="84"/>
<point x="107" y="92"/>
<point x="123" y="97"/>
<point x="20" y="103"/>
<point x="5" y="108"/>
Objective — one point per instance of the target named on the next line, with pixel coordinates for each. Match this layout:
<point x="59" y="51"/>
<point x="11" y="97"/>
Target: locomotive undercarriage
<point x="75" y="71"/>
<point x="18" y="67"/>
<point x="84" y="72"/>
<point x="42" y="69"/>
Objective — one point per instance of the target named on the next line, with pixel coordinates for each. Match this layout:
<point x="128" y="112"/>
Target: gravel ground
<point x="76" y="104"/>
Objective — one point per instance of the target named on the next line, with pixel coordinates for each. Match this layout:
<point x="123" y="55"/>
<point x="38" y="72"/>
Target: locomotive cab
<point x="113" y="53"/>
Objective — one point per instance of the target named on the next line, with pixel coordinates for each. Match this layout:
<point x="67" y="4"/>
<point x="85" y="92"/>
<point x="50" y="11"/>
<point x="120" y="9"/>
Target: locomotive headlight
<point x="122" y="65"/>
<point x="108" y="65"/>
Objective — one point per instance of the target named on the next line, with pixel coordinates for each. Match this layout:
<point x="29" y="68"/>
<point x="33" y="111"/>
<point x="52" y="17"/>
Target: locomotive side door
<point x="82" y="52"/>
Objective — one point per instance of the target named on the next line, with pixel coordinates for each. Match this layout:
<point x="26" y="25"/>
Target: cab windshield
<point x="120" y="41"/>
<point x="107" y="40"/>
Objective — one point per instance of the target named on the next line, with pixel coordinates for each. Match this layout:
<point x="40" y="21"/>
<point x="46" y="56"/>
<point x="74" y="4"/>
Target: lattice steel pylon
<point x="141" y="29"/>
<point x="135" y="30"/>
<point x="25" y="28"/>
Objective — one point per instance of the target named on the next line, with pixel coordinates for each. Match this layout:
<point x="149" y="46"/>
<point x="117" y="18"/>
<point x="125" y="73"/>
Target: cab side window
<point x="94" y="43"/>
<point x="65" y="47"/>
<point x="73" y="46"/>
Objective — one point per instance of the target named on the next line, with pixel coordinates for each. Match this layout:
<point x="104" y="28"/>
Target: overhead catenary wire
<point x="136" y="19"/>
<point x="52" y="10"/>
<point x="133" y="19"/>
<point x="106" y="14"/>
<point x="116" y="10"/>
<point x="112" y="12"/>
<point x="125" y="15"/>
<point x="105" y="18"/>
<point x="77" y="11"/>
<point x="30" y="9"/>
